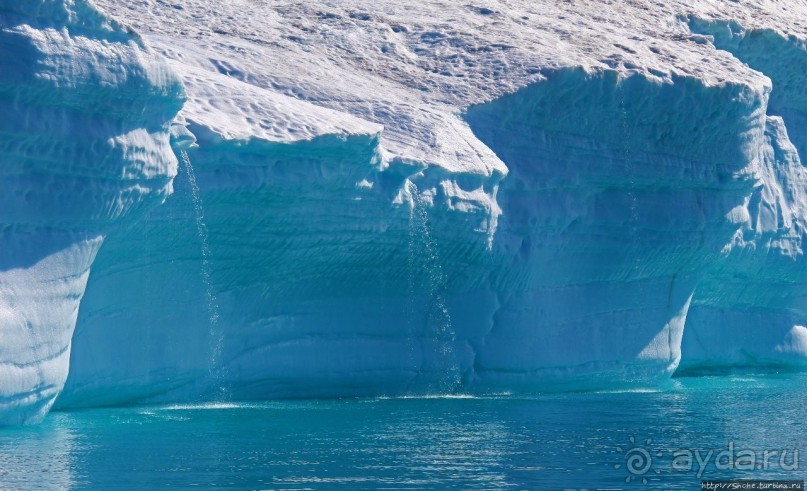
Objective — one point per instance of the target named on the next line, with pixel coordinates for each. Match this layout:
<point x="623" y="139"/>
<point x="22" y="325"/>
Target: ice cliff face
<point x="378" y="198"/>
<point x="83" y="145"/>
<point x="751" y="309"/>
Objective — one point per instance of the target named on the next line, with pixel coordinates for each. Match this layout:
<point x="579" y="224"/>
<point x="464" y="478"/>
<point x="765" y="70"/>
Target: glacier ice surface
<point x="394" y="199"/>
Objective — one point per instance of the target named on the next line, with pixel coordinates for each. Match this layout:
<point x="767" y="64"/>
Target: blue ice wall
<point x="84" y="144"/>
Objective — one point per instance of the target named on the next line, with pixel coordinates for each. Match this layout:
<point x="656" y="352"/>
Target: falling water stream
<point x="631" y="169"/>
<point x="215" y="334"/>
<point x="426" y="277"/>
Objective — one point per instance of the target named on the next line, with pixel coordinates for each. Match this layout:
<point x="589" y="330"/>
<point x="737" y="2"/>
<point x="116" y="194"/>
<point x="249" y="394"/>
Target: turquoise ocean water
<point x="604" y="440"/>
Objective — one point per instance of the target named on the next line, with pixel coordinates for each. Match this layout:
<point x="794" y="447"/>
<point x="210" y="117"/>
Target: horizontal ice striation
<point x="617" y="202"/>
<point x="301" y="283"/>
<point x="83" y="144"/>
<point x="751" y="310"/>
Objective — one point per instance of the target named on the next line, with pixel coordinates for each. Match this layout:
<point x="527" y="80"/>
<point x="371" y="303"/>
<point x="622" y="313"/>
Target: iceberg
<point x="378" y="199"/>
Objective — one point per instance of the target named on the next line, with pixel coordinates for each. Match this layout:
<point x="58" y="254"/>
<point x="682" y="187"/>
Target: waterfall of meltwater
<point x="631" y="169"/>
<point x="426" y="277"/>
<point x="215" y="334"/>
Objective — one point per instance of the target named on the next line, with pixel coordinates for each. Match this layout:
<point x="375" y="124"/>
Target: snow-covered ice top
<point x="414" y="67"/>
<point x="237" y="111"/>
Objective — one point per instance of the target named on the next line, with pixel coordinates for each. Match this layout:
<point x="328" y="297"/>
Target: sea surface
<point x="605" y="440"/>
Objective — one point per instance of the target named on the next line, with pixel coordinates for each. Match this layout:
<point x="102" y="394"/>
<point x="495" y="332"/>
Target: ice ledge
<point x="222" y="110"/>
<point x="227" y="109"/>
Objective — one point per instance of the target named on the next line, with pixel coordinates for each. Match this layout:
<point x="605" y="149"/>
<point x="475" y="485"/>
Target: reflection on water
<point x="37" y="458"/>
<point x="559" y="441"/>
